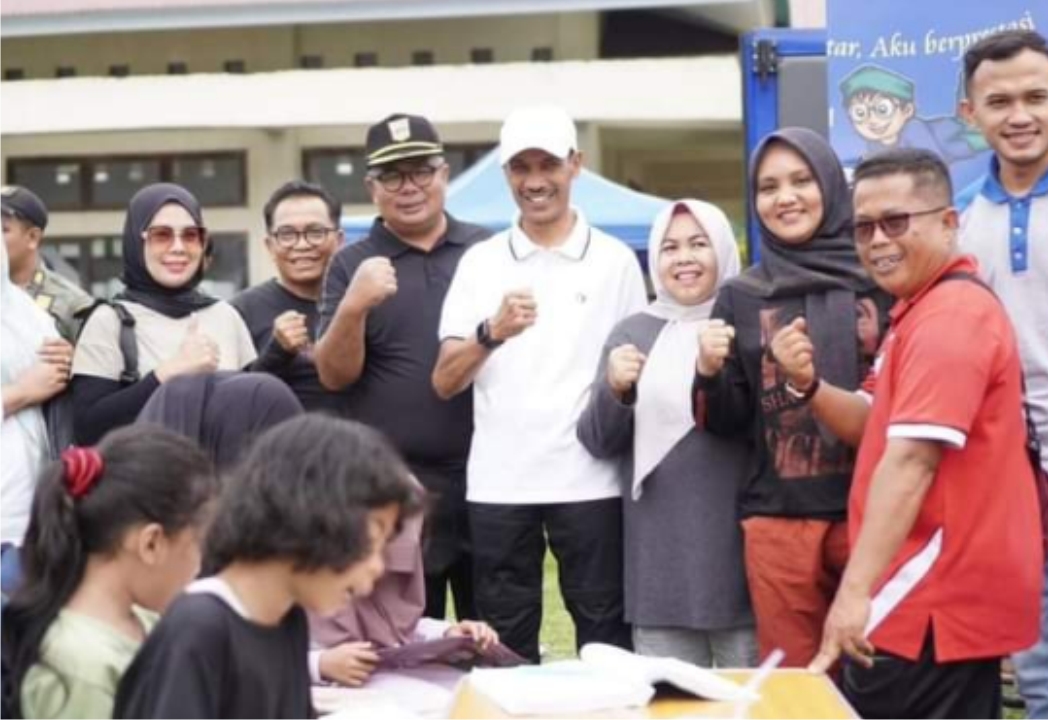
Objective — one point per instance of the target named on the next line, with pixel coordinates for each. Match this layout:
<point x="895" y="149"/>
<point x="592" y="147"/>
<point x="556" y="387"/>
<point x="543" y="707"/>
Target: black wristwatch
<point x="484" y="336"/>
<point x="803" y="395"/>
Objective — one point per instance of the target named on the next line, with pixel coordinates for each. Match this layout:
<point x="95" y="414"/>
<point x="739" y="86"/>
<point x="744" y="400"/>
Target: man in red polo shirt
<point x="945" y="572"/>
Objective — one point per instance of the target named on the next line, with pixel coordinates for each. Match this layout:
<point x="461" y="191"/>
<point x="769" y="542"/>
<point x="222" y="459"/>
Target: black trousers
<point x="459" y="576"/>
<point x="509" y="547"/>
<point x="898" y="688"/>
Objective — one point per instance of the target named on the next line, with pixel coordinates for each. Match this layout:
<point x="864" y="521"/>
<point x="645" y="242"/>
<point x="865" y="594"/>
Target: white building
<point x="233" y="97"/>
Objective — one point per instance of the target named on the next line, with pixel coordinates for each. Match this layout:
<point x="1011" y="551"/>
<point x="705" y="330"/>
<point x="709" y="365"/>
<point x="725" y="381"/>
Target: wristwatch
<point x="484" y="336"/>
<point x="803" y="395"/>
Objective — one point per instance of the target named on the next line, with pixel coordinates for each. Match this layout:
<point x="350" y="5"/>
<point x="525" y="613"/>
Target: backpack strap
<point x="128" y="344"/>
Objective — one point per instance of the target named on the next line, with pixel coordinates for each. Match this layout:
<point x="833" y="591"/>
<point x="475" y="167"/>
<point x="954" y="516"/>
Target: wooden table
<point x="785" y="694"/>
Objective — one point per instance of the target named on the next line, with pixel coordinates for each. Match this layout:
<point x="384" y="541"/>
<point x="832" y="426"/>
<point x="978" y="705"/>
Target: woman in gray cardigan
<point x="685" y="583"/>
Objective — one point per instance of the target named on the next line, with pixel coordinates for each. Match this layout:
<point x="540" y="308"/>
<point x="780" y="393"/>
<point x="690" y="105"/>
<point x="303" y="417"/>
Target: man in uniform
<point x="25" y="218"/>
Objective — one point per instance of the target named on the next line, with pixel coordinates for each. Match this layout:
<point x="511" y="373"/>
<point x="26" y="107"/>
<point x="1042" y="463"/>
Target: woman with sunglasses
<point x="809" y="276"/>
<point x="178" y="330"/>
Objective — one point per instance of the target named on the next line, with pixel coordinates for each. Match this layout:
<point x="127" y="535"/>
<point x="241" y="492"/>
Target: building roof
<point x="27" y="18"/>
<point x="702" y="91"/>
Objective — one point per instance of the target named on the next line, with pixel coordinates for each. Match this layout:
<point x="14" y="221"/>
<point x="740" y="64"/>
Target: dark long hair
<point x="303" y="493"/>
<point x="150" y="475"/>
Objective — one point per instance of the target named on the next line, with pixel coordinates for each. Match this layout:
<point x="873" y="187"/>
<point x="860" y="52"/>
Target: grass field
<point x="558" y="634"/>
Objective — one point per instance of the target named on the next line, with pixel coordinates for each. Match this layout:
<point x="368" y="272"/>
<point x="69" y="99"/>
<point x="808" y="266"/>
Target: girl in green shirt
<point x="113" y="537"/>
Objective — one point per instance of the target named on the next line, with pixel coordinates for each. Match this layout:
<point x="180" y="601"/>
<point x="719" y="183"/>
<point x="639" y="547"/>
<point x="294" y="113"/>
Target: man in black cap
<point x="379" y="312"/>
<point x="25" y="218"/>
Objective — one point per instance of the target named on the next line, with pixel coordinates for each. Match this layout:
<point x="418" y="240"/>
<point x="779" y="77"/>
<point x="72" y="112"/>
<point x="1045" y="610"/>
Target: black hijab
<point x="825" y="271"/>
<point x="827" y="261"/>
<point x="224" y="412"/>
<point x="140" y="285"/>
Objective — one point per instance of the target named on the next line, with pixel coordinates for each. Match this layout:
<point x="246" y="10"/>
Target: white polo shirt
<point x="529" y="394"/>
<point x="1009" y="237"/>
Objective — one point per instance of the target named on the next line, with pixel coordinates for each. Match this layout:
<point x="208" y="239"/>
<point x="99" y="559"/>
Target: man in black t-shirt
<point x="378" y="337"/>
<point x="303" y="231"/>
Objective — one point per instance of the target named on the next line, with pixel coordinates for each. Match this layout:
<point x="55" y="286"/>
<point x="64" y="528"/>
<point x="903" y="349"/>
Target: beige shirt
<point x="159" y="337"/>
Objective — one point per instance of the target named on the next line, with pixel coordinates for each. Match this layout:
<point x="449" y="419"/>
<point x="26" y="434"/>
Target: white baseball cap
<point x="541" y="127"/>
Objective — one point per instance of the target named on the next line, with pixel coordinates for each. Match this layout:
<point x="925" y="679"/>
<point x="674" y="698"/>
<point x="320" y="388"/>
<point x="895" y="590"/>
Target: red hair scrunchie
<point x="83" y="467"/>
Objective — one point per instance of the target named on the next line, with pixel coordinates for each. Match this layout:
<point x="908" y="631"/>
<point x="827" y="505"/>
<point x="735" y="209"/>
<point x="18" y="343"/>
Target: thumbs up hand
<point x="198" y="353"/>
<point x="793" y="351"/>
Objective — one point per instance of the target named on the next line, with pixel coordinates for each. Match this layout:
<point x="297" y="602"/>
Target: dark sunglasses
<point x="892" y="225"/>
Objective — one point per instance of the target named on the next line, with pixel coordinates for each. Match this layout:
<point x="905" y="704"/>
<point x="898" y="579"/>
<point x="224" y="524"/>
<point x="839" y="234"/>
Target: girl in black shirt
<point x="300" y="526"/>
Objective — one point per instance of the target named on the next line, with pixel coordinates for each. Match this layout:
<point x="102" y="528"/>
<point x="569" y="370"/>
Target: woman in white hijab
<point x="685" y="583"/>
<point x="34" y="367"/>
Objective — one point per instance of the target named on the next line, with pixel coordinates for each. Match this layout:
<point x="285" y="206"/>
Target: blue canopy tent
<point x="480" y="195"/>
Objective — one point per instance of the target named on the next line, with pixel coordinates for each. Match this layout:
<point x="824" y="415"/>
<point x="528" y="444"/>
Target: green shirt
<point x="81" y="662"/>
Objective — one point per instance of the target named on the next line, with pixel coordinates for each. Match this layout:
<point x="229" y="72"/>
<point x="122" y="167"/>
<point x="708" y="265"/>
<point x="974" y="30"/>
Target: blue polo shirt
<point x="1009" y="236"/>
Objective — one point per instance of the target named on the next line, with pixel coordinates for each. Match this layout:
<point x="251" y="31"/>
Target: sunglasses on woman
<point x="893" y="225"/>
<point x="163" y="237"/>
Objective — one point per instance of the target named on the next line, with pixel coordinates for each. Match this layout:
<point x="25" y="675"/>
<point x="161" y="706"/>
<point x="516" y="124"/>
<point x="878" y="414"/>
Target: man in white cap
<point x="524" y="322"/>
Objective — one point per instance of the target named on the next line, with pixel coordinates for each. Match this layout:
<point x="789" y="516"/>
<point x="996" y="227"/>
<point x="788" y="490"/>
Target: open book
<point x="460" y="651"/>
<point x="604" y="677"/>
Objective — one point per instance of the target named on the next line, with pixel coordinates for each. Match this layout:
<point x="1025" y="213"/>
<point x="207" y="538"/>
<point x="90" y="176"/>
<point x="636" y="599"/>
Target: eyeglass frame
<point x="177" y="233"/>
<point x="301" y="235"/>
<point x="860" y="227"/>
<point x="429" y="169"/>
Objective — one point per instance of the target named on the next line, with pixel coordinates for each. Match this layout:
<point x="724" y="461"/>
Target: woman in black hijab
<point x="177" y="329"/>
<point x="223" y="411"/>
<point x="794" y="504"/>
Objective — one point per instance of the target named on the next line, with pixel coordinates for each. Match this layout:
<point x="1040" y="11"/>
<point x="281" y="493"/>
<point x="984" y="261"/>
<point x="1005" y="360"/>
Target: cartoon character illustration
<point x="882" y="109"/>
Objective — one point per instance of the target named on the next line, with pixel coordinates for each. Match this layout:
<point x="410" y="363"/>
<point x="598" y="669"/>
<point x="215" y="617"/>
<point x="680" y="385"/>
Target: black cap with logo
<point x="399" y="137"/>
<point x="24" y="204"/>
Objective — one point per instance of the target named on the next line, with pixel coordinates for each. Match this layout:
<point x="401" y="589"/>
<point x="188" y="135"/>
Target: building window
<point x="341" y="170"/>
<point x="422" y="57"/>
<point x="119" y="70"/>
<point x="14" y="74"/>
<point x="365" y="59"/>
<point x="311" y="62"/>
<point x="177" y="68"/>
<point x="237" y="67"/>
<point x="65" y="71"/>
<point x="108" y="182"/>
<point x="481" y="56"/>
<point x="96" y="262"/>
<point x="542" y="54"/>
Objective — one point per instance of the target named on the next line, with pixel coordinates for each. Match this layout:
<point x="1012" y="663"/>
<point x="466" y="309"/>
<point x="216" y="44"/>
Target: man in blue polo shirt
<point x="1006" y="228"/>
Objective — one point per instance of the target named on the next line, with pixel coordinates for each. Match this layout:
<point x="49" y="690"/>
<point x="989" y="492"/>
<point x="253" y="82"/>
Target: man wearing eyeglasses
<point x="303" y="231"/>
<point x="378" y="324"/>
<point x="1006" y="227"/>
<point x="946" y="564"/>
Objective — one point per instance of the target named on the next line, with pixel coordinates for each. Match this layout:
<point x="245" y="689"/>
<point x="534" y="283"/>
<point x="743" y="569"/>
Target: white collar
<point x="573" y="247"/>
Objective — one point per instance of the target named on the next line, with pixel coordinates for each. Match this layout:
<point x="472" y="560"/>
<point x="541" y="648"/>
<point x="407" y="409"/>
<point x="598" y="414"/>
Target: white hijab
<point x="23" y="328"/>
<point x="663" y="414"/>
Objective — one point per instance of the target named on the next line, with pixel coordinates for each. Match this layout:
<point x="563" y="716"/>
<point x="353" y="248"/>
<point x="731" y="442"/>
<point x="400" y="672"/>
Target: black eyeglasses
<point x="287" y="237"/>
<point x="393" y="180"/>
<point x="892" y="225"/>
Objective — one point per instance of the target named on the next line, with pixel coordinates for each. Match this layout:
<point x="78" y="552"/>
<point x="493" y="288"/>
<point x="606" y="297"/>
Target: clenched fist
<point x="516" y="314"/>
<point x="625" y="364"/>
<point x="198" y="353"/>
<point x="373" y="282"/>
<point x="792" y="349"/>
<point x="290" y="331"/>
<point x="714" y="347"/>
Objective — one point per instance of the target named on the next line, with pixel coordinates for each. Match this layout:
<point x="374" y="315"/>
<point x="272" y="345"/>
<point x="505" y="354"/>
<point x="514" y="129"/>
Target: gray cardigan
<point x="683" y="543"/>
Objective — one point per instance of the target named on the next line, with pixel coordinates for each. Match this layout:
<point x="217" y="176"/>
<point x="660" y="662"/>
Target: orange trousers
<point x="793" y="566"/>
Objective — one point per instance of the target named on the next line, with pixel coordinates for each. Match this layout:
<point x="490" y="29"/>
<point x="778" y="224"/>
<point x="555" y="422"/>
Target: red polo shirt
<point x="972" y="564"/>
